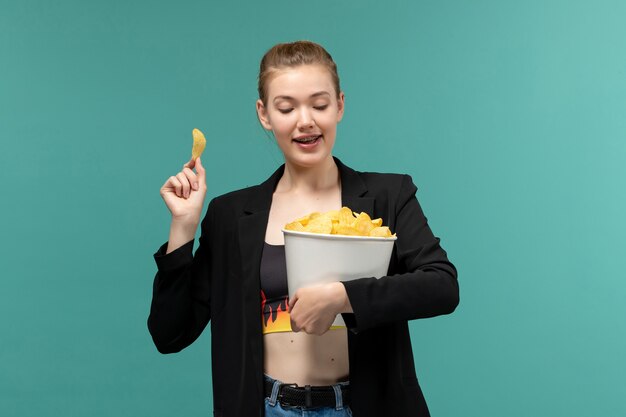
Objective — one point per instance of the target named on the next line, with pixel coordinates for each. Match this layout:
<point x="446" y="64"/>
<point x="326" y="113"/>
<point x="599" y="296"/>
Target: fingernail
<point x="195" y="185"/>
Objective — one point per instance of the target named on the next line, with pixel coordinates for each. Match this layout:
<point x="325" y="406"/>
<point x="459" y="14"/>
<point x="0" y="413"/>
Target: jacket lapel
<point x="353" y="190"/>
<point x="252" y="227"/>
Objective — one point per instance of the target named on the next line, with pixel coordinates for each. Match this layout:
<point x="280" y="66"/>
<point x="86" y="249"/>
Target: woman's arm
<point x="180" y="307"/>
<point x="427" y="285"/>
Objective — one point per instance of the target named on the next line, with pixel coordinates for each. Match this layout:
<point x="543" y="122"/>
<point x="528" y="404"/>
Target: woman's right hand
<point x="184" y="193"/>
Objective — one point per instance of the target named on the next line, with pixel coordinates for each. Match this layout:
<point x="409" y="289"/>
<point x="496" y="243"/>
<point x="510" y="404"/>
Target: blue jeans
<point x="274" y="409"/>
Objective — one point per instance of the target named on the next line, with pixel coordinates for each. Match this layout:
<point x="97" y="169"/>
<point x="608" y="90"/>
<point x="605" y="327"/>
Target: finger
<point x="314" y="329"/>
<point x="190" y="164"/>
<point x="185" y="183"/>
<point x="201" y="172"/>
<point x="178" y="188"/>
<point x="191" y="176"/>
<point x="292" y="302"/>
<point x="294" y="327"/>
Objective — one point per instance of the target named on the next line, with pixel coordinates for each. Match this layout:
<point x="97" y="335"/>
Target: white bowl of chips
<point x="338" y="245"/>
<point x="314" y="258"/>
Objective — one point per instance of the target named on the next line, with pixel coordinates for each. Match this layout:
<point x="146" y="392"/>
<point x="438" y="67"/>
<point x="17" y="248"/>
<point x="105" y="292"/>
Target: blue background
<point x="510" y="116"/>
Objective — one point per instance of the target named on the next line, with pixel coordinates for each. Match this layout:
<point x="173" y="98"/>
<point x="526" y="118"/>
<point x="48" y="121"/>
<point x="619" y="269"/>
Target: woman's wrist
<point x="181" y="232"/>
<point x="343" y="302"/>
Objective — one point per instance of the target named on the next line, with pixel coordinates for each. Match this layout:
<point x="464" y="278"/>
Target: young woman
<point x="276" y="356"/>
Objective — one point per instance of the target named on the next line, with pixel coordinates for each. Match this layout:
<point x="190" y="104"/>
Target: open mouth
<point x="308" y="139"/>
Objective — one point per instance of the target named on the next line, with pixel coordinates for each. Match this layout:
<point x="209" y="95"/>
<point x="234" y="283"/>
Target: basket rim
<point x="325" y="236"/>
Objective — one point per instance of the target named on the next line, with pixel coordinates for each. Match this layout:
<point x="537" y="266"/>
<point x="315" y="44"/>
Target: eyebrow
<point x="319" y="93"/>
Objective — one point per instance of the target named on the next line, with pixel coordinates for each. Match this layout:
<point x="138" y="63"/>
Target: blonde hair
<point x="289" y="55"/>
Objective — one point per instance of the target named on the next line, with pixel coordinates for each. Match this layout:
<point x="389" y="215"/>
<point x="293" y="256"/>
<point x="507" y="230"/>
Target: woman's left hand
<point x="313" y="309"/>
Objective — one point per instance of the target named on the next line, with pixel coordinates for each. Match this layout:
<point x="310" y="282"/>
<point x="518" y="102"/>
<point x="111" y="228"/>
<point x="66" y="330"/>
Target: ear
<point x="340" y="106"/>
<point x="261" y="112"/>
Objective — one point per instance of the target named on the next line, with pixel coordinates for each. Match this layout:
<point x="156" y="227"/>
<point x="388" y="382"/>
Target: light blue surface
<point x="510" y="117"/>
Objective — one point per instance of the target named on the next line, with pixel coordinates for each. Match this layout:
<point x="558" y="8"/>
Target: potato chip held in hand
<point x="342" y="222"/>
<point x="199" y="143"/>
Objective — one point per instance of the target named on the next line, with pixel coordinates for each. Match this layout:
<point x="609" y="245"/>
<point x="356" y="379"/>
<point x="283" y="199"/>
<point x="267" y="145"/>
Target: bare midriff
<point x="302" y="358"/>
<point x="307" y="359"/>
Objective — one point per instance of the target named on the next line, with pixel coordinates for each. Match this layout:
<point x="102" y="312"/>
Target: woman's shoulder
<point x="383" y="177"/>
<point x="237" y="198"/>
<point x="252" y="196"/>
<point x="396" y="186"/>
<point x="251" y="199"/>
<point x="383" y="181"/>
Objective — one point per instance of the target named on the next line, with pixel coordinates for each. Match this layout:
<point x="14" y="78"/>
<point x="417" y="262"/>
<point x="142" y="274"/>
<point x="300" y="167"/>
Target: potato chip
<point x="320" y="224"/>
<point x="343" y="229"/>
<point x="345" y="216"/>
<point x="341" y="222"/>
<point x="199" y="143"/>
<point x="302" y="220"/>
<point x="382" y="231"/>
<point x="333" y="214"/>
<point x="363" y="224"/>
<point x="297" y="226"/>
<point x="306" y="219"/>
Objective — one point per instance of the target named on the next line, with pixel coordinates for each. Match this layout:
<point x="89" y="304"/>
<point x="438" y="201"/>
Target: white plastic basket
<point x="314" y="258"/>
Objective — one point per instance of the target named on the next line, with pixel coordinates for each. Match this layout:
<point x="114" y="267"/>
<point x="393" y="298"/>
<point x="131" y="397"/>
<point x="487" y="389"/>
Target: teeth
<point x="308" y="140"/>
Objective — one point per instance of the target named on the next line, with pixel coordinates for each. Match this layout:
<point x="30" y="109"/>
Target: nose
<point x="305" y="121"/>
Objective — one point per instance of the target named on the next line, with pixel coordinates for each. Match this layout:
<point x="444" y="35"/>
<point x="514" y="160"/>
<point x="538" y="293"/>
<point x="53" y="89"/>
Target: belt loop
<point x="274" y="396"/>
<point x="308" y="401"/>
<point x="338" y="397"/>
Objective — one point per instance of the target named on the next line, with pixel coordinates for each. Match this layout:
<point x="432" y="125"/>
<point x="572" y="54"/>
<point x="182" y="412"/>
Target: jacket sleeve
<point x="426" y="284"/>
<point x="181" y="298"/>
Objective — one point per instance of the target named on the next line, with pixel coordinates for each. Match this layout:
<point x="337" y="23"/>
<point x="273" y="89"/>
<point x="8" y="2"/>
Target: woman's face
<point x="303" y="111"/>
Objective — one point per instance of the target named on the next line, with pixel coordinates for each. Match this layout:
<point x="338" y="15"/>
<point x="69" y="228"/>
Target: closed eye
<point x="321" y="107"/>
<point x="285" y="111"/>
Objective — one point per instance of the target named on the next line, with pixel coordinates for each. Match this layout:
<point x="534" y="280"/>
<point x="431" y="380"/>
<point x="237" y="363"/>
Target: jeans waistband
<point x="310" y="397"/>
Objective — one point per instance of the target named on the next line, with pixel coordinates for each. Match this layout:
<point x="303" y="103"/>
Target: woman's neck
<point x="298" y="179"/>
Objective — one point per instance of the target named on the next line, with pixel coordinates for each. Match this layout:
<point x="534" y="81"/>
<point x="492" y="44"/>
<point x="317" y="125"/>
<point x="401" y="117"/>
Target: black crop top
<point x="274" y="292"/>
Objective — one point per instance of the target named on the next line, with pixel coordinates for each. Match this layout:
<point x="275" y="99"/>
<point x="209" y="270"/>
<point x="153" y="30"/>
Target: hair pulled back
<point x="289" y="55"/>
